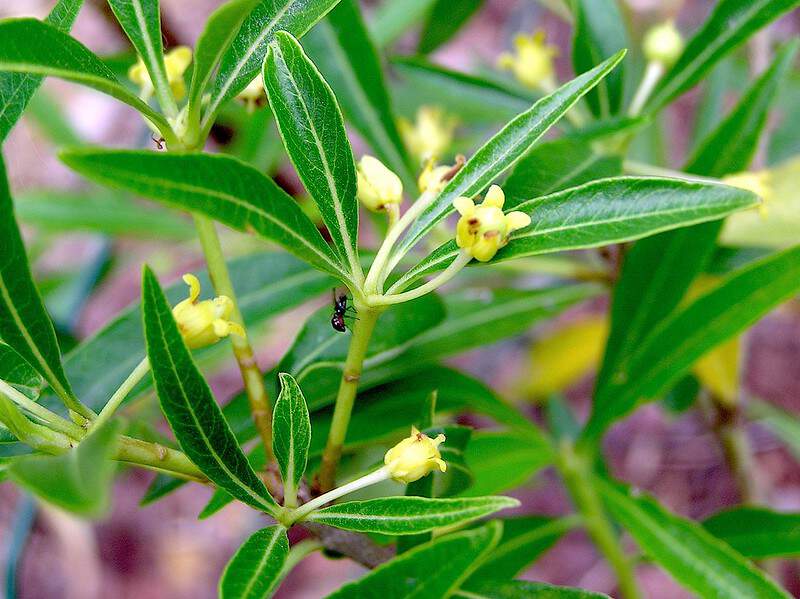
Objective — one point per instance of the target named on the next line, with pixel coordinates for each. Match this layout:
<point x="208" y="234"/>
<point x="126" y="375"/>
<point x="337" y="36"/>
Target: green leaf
<point x="692" y="556"/>
<point x="342" y="49"/>
<point x="504" y="149"/>
<point x="784" y="424"/>
<point x="266" y="283"/>
<point x="24" y="323"/>
<point x="524" y="540"/>
<point x="555" y="166"/>
<point x="522" y="589"/>
<point x="254" y="571"/>
<point x="687" y="334"/>
<point x="599" y="33"/>
<point x="434" y="569"/>
<point x="221" y="187"/>
<point x="445" y="19"/>
<point x="394" y="17"/>
<point x="190" y="407"/>
<point x="101" y="212"/>
<point x="220" y="29"/>
<point x="17" y="372"/>
<point x="730" y="147"/>
<point x="17" y="89"/>
<point x="408" y="515"/>
<point x="58" y="55"/>
<point x="605" y="212"/>
<point x="505" y="460"/>
<point x="291" y="430"/>
<point x="757" y="532"/>
<point x="78" y="481"/>
<point x="141" y="21"/>
<point x="256" y="457"/>
<point x="731" y="23"/>
<point x="242" y="61"/>
<point x="313" y="133"/>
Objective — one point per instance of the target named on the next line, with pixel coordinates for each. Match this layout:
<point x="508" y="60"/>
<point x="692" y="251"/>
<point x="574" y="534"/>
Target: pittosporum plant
<point x="365" y="373"/>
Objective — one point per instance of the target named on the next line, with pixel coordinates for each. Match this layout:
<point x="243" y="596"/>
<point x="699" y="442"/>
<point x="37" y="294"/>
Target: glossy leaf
<point x="444" y="21"/>
<point x="434" y="569"/>
<point x="757" y="532"/>
<point x="18" y="373"/>
<point x="731" y="23"/>
<point x="17" y="89"/>
<point x="312" y="129"/>
<point x="599" y="33"/>
<point x="686" y="335"/>
<point x="78" y="481"/>
<point x="254" y="571"/>
<point x="58" y="55"/>
<point x="692" y="556"/>
<point x="220" y="187"/>
<point x="24" y="323"/>
<point x="522" y="589"/>
<point x="408" y="515"/>
<point x="341" y="47"/>
<point x="504" y="149"/>
<point x="244" y="57"/>
<point x="257" y="459"/>
<point x="291" y="430"/>
<point x="190" y="407"/>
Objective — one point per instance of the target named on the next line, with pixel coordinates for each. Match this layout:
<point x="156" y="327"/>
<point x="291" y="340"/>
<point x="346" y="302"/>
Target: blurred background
<point x="88" y="265"/>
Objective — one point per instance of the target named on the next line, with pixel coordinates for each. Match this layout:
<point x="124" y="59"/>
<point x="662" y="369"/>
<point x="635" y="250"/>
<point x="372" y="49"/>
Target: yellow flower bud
<point x="532" y="63"/>
<point x="377" y="185"/>
<point x="429" y="137"/>
<point x="484" y="229"/>
<point x="206" y="322"/>
<point x="415" y="457"/>
<point x="663" y="43"/>
<point x="176" y="62"/>
<point x="254" y="95"/>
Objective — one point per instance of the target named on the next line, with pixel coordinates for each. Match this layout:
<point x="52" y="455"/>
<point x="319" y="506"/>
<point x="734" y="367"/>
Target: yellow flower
<point x="532" y="64"/>
<point x="663" y="43"/>
<point x="484" y="229"/>
<point x="430" y="135"/>
<point x="205" y="322"/>
<point x="434" y="177"/>
<point x="760" y="183"/>
<point x="176" y="62"/>
<point x="377" y="185"/>
<point x="254" y="95"/>
<point x="415" y="457"/>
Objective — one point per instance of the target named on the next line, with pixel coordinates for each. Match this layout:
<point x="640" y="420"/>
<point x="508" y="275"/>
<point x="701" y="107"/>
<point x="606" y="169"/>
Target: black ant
<point x="340" y="311"/>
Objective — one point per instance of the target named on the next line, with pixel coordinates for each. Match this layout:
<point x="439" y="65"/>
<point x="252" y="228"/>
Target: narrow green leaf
<point x="78" y="481"/>
<point x="17" y="89"/>
<point x="444" y="21"/>
<point x="257" y="459"/>
<point x="757" y="532"/>
<point x="342" y="49"/>
<point x="58" y="55"/>
<point x="687" y="334"/>
<point x="244" y="57"/>
<point x="731" y="23"/>
<point x="141" y="21"/>
<point x="408" y="515"/>
<point x="220" y="29"/>
<point x="605" y="212"/>
<point x="24" y="323"/>
<point x="190" y="407"/>
<point x="254" y="570"/>
<point x="522" y="589"/>
<point x="506" y="148"/>
<point x="435" y="569"/>
<point x="599" y="33"/>
<point x="291" y="430"/>
<point x="394" y="17"/>
<point x="17" y="372"/>
<point x="692" y="556"/>
<point x="312" y="129"/>
<point x="220" y="187"/>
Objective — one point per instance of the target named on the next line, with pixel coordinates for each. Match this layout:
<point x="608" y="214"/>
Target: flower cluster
<point x="429" y="137"/>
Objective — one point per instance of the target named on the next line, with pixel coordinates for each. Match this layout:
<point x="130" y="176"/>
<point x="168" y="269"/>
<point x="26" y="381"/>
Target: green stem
<point x="54" y="421"/>
<point x="157" y="457"/>
<point x="375" y="477"/>
<point x="652" y="74"/>
<point x="251" y="375"/>
<point x="576" y="473"/>
<point x="455" y="267"/>
<point x="298" y="553"/>
<point x="121" y="393"/>
<point x="362" y="333"/>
